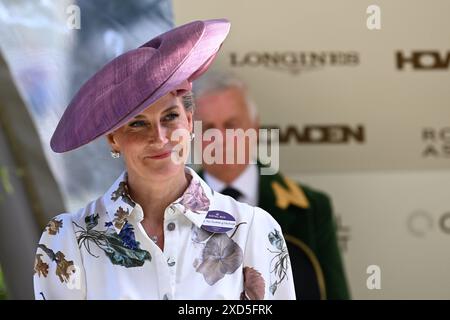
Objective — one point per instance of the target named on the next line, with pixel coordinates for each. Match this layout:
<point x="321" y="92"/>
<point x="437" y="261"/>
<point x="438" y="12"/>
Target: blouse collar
<point x="194" y="203"/>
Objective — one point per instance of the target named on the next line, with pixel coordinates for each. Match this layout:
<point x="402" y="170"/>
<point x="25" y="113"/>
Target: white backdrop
<point x="372" y="134"/>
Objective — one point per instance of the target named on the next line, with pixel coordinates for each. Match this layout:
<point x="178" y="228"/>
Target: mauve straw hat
<point x="130" y="83"/>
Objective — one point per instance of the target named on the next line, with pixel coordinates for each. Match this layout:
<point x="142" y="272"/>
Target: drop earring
<point x="115" y="154"/>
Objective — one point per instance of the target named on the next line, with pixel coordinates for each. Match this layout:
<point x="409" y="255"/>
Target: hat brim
<point x="195" y="63"/>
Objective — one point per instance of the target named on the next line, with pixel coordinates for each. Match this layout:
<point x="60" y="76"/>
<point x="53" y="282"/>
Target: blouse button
<point x="171" y="226"/>
<point x="170" y="262"/>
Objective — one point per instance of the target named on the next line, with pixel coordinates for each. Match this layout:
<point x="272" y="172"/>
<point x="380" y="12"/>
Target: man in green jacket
<point x="304" y="214"/>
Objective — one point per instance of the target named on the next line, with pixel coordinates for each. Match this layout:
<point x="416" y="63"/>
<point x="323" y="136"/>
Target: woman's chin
<point x="162" y="167"/>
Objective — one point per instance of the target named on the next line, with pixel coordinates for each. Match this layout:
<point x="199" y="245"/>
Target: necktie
<point x="232" y="192"/>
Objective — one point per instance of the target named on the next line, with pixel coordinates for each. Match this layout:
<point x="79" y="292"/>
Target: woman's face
<point x="154" y="143"/>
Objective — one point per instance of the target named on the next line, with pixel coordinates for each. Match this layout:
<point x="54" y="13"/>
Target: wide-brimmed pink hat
<point x="130" y="83"/>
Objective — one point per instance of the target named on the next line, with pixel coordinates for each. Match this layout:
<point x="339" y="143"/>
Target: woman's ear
<point x="190" y="119"/>
<point x="112" y="142"/>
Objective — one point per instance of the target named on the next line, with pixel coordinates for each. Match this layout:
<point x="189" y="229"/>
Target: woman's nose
<point x="157" y="136"/>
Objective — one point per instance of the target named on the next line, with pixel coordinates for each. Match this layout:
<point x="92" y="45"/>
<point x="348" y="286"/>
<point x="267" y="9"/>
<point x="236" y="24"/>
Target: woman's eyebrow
<point x="170" y="108"/>
<point x="140" y="116"/>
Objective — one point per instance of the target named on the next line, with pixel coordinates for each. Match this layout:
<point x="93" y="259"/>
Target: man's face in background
<point x="222" y="110"/>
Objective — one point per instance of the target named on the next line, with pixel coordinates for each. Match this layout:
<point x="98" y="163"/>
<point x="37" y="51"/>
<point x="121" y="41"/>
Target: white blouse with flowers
<point x="214" y="248"/>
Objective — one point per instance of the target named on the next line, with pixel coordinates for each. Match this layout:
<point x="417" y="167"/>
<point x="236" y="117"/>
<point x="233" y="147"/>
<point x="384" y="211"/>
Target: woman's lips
<point x="161" y="156"/>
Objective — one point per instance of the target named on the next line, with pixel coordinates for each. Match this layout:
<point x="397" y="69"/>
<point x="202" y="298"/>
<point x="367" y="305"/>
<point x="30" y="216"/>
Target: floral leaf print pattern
<point x="64" y="268"/>
<point x="91" y="221"/>
<point x="121" y="215"/>
<point x="53" y="226"/>
<point x="276" y="240"/>
<point x="128" y="238"/>
<point x="122" y="192"/>
<point x="40" y="267"/>
<point x="199" y="235"/>
<point x="122" y="249"/>
<point x="254" y="286"/>
<point x="280" y="262"/>
<point x="220" y="256"/>
<point x="194" y="198"/>
<point x="120" y="218"/>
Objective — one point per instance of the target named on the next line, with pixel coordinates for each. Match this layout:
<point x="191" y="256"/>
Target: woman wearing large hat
<point x="159" y="232"/>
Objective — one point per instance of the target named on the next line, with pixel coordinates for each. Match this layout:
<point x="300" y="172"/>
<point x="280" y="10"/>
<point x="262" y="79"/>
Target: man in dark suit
<point x="305" y="215"/>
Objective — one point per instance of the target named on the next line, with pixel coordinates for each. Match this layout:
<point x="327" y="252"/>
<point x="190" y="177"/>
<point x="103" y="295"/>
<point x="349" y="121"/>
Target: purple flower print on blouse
<point x="254" y="285"/>
<point x="194" y="198"/>
<point x="221" y="256"/>
<point x="199" y="235"/>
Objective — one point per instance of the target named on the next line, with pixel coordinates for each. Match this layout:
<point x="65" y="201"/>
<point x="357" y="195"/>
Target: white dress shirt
<point x="247" y="183"/>
<point x="103" y="252"/>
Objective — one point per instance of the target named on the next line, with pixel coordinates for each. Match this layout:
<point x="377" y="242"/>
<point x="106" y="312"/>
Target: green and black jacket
<point x="306" y="218"/>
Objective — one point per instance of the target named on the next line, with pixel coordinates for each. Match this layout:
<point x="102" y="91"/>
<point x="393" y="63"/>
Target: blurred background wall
<point x="48" y="49"/>
<point x="363" y="115"/>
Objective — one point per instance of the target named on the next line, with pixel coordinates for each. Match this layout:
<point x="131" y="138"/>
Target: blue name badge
<point x="218" y="222"/>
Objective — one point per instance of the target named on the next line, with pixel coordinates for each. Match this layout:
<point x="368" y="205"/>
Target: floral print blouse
<point x="214" y="248"/>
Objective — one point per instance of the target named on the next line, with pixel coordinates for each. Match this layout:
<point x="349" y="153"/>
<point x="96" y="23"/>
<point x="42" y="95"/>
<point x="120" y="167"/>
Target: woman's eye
<point x="136" y="124"/>
<point x="170" y="117"/>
